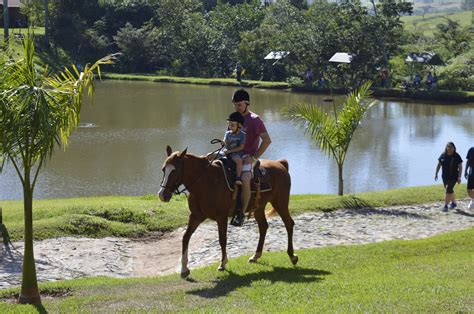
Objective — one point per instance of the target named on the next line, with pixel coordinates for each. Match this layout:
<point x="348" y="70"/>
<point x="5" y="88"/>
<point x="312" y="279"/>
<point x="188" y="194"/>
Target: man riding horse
<point x="210" y="198"/>
<point x="253" y="149"/>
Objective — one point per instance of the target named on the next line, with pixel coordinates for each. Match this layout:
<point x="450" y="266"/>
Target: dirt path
<point x="66" y="258"/>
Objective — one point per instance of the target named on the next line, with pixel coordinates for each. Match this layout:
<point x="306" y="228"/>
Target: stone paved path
<point x="66" y="258"/>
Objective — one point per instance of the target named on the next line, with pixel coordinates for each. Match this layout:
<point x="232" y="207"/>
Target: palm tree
<point x="38" y="112"/>
<point x="334" y="132"/>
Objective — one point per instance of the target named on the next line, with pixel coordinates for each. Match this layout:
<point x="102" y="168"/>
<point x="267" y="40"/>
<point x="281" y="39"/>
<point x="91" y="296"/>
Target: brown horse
<point x="209" y="197"/>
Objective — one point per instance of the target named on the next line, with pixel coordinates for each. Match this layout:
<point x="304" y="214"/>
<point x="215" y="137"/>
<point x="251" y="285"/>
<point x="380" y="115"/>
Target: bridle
<point x="174" y="189"/>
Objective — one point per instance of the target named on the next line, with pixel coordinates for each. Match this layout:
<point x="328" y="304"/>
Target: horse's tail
<point x="269" y="213"/>
<point x="284" y="162"/>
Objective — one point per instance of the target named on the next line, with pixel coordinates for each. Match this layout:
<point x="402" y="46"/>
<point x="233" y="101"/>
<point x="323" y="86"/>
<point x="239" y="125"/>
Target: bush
<point x="294" y="81"/>
<point x="459" y="73"/>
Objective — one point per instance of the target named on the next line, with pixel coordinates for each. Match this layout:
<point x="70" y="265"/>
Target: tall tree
<point x="333" y="132"/>
<point x="38" y="112"/>
<point x="46" y="22"/>
<point x="5" y="20"/>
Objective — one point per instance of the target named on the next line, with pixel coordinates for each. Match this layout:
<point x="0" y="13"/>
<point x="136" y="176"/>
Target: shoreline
<point x="444" y="96"/>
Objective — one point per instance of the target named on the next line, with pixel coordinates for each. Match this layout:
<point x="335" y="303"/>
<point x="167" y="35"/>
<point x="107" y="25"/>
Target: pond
<point x="120" y="146"/>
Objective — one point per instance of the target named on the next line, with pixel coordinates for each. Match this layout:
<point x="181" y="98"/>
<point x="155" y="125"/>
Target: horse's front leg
<point x="222" y="227"/>
<point x="259" y="215"/>
<point x="193" y="223"/>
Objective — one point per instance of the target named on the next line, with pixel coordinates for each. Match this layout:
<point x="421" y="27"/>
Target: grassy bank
<point x="438" y="95"/>
<point x="140" y="216"/>
<point x="429" y="275"/>
<point x="196" y="80"/>
<point x="444" y="96"/>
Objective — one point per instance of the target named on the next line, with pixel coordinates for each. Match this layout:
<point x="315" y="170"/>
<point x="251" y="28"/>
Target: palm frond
<point x="333" y="132"/>
<point x="316" y="123"/>
<point x="39" y="110"/>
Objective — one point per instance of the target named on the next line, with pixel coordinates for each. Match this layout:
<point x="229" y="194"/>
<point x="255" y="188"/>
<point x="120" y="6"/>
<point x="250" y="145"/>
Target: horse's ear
<point x="183" y="153"/>
<point x="168" y="150"/>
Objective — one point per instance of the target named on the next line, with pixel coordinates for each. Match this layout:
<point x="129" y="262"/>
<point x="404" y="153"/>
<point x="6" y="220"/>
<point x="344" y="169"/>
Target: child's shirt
<point x="232" y="140"/>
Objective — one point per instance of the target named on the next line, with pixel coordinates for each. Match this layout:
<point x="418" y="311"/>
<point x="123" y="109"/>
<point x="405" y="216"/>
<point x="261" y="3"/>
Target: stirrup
<point x="238" y="219"/>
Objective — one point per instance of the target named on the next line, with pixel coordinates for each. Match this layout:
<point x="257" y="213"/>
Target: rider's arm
<point x="266" y="140"/>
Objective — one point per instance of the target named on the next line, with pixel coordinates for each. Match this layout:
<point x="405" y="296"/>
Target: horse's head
<point x="172" y="174"/>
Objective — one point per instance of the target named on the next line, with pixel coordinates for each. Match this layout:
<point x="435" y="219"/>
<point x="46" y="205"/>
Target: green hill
<point x="427" y="23"/>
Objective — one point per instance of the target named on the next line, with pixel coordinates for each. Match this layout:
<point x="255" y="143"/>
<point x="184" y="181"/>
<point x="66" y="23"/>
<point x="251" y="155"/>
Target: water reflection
<point x="120" y="145"/>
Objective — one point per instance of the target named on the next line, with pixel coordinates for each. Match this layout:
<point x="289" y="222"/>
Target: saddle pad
<point x="230" y="179"/>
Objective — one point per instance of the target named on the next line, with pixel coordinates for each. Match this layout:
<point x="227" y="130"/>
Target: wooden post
<point x="1" y="220"/>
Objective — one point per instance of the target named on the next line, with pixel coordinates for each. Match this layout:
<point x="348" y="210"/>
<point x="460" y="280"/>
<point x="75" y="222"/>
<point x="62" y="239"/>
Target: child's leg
<point x="238" y="165"/>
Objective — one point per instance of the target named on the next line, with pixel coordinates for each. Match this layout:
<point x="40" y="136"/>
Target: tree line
<point x="207" y="38"/>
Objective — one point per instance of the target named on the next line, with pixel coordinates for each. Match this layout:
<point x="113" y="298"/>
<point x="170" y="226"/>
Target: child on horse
<point x="234" y="141"/>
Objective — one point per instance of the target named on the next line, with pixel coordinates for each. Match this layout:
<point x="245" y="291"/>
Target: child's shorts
<point x="236" y="155"/>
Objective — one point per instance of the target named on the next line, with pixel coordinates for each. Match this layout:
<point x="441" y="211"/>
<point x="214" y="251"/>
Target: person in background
<point x="308" y="78"/>
<point x="416" y="81"/>
<point x="451" y="164"/>
<point x="469" y="174"/>
<point x="429" y="81"/>
<point x="238" y="72"/>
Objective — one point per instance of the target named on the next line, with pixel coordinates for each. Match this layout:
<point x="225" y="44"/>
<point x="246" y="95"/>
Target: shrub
<point x="459" y="73"/>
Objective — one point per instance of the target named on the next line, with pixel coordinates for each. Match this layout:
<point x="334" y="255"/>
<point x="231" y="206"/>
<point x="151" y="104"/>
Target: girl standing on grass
<point x="451" y="164"/>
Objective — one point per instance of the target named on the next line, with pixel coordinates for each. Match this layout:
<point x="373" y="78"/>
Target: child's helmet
<point x="236" y="117"/>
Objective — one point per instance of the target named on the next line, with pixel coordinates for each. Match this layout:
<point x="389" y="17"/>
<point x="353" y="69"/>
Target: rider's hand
<point x="465" y="175"/>
<point x="436" y="177"/>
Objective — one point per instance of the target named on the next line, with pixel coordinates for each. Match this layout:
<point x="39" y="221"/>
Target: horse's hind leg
<point x="222" y="226"/>
<point x="259" y="215"/>
<point x="193" y="223"/>
<point x="284" y="213"/>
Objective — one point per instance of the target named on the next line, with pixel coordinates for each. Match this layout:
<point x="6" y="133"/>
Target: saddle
<point x="260" y="181"/>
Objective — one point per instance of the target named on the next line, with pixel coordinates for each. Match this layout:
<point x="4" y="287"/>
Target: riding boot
<point x="238" y="219"/>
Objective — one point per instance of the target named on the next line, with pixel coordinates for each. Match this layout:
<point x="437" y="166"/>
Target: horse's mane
<point x="201" y="159"/>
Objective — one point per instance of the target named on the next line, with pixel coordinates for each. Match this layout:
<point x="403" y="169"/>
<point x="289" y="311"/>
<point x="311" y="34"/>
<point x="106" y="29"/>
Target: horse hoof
<point x="255" y="258"/>
<point x="222" y="265"/>
<point x="294" y="259"/>
<point x="185" y="274"/>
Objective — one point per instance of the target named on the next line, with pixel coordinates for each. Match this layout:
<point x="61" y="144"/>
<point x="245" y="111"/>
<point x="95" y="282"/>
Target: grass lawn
<point x="427" y="23"/>
<point x="196" y="80"/>
<point x="429" y="275"/>
<point x="138" y="216"/>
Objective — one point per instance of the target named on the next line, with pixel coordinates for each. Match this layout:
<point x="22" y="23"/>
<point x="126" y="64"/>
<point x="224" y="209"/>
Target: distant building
<point x="15" y="18"/>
